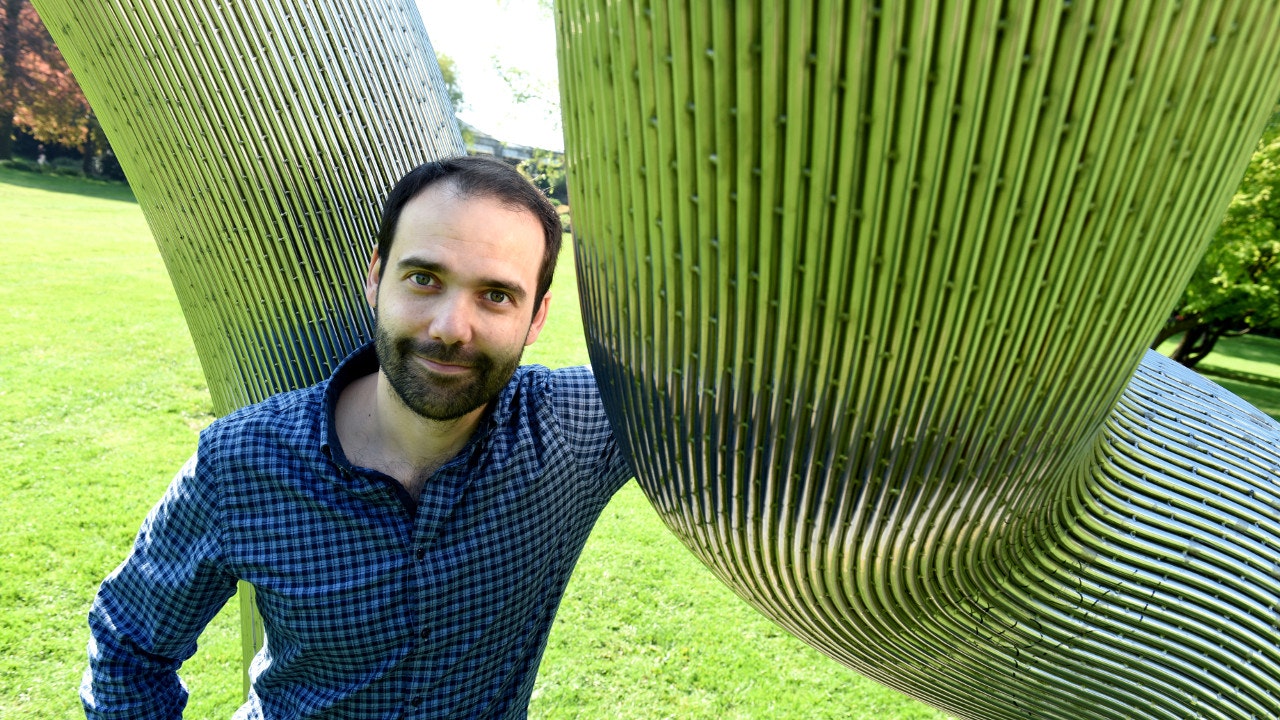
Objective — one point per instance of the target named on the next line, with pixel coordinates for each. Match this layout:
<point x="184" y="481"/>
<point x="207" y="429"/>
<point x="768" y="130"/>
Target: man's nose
<point x="452" y="323"/>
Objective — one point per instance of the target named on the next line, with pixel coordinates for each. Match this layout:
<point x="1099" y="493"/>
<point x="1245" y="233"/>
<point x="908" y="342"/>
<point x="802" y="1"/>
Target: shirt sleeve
<point x="590" y="435"/>
<point x="148" y="612"/>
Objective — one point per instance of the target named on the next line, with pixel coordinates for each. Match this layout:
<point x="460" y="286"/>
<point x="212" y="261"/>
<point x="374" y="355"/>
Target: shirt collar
<point x="355" y="366"/>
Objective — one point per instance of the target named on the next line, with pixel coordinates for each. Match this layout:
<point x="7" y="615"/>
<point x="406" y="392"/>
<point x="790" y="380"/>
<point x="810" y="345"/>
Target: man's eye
<point x="497" y="296"/>
<point x="423" y="279"/>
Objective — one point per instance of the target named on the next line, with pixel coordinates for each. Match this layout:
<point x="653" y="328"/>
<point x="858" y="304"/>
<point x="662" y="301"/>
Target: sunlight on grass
<point x="1253" y="354"/>
<point x="101" y="398"/>
<point x="1234" y="360"/>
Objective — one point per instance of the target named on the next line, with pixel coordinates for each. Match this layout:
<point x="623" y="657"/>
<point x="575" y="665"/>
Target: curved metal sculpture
<point x="867" y="285"/>
<point x="259" y="139"/>
<point x="846" y="271"/>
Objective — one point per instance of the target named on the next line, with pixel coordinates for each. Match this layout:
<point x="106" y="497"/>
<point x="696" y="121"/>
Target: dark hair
<point x="474" y="176"/>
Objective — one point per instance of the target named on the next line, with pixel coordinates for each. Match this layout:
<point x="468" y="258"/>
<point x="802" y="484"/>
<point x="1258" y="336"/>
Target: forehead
<point x="468" y="230"/>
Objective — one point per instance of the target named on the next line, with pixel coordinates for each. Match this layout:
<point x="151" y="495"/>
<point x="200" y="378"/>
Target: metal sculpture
<point x="259" y="139"/>
<point x="867" y="288"/>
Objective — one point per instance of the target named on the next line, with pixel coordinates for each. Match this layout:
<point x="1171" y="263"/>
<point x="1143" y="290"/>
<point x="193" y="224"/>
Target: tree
<point x="1236" y="288"/>
<point x="527" y="90"/>
<point x="449" y="71"/>
<point x="545" y="169"/>
<point x="37" y="90"/>
<point x="10" y="49"/>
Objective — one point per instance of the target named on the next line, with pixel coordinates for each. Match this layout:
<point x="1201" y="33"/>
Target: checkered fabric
<point x="374" y="606"/>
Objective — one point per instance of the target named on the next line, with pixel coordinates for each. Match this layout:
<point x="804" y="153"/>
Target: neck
<point x="377" y="430"/>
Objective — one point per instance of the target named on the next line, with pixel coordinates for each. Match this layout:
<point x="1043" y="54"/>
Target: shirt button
<point x="421" y="553"/>
<point x="424" y="634"/>
<point x="417" y="702"/>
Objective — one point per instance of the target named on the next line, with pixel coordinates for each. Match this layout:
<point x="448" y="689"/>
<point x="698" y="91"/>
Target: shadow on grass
<point x="1254" y="348"/>
<point x="67" y="184"/>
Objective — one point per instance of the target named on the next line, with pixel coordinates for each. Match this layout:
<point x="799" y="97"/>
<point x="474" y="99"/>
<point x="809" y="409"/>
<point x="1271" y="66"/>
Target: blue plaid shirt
<point x="374" y="606"/>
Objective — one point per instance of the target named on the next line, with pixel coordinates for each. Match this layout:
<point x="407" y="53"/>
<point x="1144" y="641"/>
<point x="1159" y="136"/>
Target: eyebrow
<point x="516" y="292"/>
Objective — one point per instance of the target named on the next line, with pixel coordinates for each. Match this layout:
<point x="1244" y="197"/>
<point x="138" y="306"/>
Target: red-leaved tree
<point x="37" y="91"/>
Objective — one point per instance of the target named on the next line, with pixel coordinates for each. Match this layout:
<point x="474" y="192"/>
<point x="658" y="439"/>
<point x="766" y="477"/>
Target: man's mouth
<point x="443" y="368"/>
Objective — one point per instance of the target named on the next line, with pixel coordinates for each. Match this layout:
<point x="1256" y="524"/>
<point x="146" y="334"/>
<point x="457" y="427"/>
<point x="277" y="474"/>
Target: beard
<point x="441" y="397"/>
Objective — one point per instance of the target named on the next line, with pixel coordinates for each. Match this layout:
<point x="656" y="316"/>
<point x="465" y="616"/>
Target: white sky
<point x="517" y="34"/>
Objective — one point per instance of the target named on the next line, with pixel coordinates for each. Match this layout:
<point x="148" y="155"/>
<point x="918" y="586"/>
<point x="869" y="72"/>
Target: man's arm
<point x="148" y="613"/>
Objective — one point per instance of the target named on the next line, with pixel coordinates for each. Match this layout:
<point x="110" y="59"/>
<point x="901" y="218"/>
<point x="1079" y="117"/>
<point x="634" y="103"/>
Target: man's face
<point x="454" y="304"/>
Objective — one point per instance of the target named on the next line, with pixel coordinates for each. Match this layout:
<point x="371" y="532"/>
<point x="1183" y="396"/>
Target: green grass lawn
<point x="101" y="399"/>
<point x="1253" y="354"/>
<point x="1237" y="359"/>
<point x="1266" y="399"/>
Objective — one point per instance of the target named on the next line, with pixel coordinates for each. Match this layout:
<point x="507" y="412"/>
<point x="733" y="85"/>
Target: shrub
<point x="66" y="166"/>
<point x="22" y="165"/>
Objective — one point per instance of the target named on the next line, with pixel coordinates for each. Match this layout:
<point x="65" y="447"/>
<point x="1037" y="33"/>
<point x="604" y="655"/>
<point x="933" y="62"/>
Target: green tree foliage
<point x="449" y="71"/>
<point x="545" y="169"/>
<point x="1236" y="287"/>
<point x="527" y="90"/>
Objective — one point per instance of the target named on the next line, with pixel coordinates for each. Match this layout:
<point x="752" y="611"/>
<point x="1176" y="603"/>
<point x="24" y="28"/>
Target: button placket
<point x="428" y="589"/>
<point x="426" y="529"/>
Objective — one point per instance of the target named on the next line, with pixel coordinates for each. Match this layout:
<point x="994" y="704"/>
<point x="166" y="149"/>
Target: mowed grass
<point x="101" y="400"/>
<point x="1235" y="359"/>
<point x="1254" y="354"/>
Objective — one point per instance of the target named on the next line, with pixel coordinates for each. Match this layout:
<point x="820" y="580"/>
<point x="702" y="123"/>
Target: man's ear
<point x="539" y="319"/>
<point x="371" y="279"/>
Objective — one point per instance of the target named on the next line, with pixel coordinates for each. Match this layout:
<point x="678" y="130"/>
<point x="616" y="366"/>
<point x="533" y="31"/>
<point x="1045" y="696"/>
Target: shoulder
<point x="565" y="399"/>
<point x="569" y="400"/>
<point x="565" y="391"/>
<point x="286" y="418"/>
<point x="278" y="408"/>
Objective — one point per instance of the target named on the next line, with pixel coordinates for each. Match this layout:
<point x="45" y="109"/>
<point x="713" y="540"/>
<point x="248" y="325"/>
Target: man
<point x="409" y="524"/>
